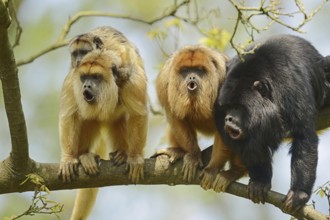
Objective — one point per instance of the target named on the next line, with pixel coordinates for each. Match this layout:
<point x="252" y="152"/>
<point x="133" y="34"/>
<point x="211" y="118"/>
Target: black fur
<point x="274" y="93"/>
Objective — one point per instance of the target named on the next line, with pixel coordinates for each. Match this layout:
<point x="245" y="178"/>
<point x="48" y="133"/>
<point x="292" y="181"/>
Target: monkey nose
<point x="192" y="85"/>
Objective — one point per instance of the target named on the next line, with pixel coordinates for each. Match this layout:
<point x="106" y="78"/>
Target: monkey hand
<point x="135" y="167"/>
<point x="257" y="191"/>
<point x="90" y="163"/>
<point x="174" y="153"/>
<point x="208" y="176"/>
<point x="68" y="169"/>
<point x="294" y="200"/>
<point x="222" y="181"/>
<point x="191" y="162"/>
<point x="118" y="157"/>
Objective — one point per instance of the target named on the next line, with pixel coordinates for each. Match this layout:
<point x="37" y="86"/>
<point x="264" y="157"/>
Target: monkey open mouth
<point x="192" y="85"/>
<point x="234" y="132"/>
<point x="89" y="96"/>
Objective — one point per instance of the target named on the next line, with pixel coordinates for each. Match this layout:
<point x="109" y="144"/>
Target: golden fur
<point x="119" y="112"/>
<point x="191" y="112"/>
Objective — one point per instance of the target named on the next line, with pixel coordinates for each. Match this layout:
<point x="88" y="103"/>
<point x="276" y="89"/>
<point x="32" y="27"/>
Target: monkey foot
<point x="118" y="157"/>
<point x="135" y="167"/>
<point x="68" y="169"/>
<point x="174" y="153"/>
<point x="90" y="163"/>
<point x="190" y="164"/>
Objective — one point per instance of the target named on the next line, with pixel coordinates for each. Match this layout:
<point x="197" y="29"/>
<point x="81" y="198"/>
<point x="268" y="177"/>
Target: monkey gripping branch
<point x="157" y="171"/>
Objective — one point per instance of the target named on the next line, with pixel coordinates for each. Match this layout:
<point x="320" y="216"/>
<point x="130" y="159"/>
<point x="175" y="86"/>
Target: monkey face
<point x="95" y="85"/>
<point x="81" y="45"/>
<point x="91" y="84"/>
<point x="194" y="76"/>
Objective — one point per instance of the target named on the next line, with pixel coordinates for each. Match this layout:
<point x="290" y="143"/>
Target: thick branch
<point x="157" y="172"/>
<point x="12" y="96"/>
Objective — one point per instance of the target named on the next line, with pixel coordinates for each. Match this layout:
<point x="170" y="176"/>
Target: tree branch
<point x="157" y="172"/>
<point x="62" y="38"/>
<point x="19" y="156"/>
<point x="272" y="11"/>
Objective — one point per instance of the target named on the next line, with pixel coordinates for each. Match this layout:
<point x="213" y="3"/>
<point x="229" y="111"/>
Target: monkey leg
<point x="137" y="130"/>
<point x="118" y="134"/>
<point x="182" y="135"/>
<point x="84" y="203"/>
<point x="220" y="155"/>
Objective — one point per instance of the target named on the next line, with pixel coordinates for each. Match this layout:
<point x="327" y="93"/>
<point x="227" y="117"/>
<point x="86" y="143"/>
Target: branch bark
<point x="157" y="172"/>
<point x="19" y="157"/>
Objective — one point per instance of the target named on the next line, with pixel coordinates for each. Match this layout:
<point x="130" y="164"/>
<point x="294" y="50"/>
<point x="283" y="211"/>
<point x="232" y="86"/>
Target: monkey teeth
<point x="192" y="86"/>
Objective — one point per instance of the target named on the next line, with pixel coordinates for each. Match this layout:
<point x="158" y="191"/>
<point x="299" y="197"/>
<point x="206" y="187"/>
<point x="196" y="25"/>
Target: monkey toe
<point x="90" y="163"/>
<point x="191" y="163"/>
<point x="207" y="180"/>
<point x="118" y="157"/>
<point x="68" y="170"/>
<point x="135" y="173"/>
<point x="257" y="191"/>
<point x="221" y="183"/>
<point x="174" y="153"/>
<point x="135" y="166"/>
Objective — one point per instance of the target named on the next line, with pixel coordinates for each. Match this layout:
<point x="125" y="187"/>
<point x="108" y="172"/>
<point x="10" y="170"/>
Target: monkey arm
<point x="183" y="136"/>
<point x="220" y="155"/>
<point x="69" y="133"/>
<point x="260" y="181"/>
<point x="137" y="134"/>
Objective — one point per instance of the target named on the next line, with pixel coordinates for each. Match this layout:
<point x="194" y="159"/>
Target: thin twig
<point x="62" y="38"/>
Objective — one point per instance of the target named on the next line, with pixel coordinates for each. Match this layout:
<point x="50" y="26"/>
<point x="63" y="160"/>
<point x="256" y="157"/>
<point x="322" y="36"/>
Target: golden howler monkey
<point x="104" y="93"/>
<point x="187" y="87"/>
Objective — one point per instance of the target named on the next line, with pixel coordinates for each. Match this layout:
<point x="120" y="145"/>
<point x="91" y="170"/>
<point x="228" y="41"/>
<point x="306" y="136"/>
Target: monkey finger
<point x="119" y="158"/>
<point x="135" y="173"/>
<point x="220" y="183"/>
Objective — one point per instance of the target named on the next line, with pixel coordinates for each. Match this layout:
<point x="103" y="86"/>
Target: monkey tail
<point x="84" y="203"/>
<point x="85" y="198"/>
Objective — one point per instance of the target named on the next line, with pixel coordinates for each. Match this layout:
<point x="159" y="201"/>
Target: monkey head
<point x="245" y="112"/>
<point x="82" y="44"/>
<point x="195" y="73"/>
<point x="95" y="87"/>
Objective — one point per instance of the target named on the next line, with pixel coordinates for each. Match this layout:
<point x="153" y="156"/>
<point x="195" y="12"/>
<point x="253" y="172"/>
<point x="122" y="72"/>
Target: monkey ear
<point x="215" y="63"/>
<point x="262" y="87"/>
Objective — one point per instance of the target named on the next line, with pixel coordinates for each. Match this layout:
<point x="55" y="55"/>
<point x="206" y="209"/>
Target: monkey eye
<point x="94" y="77"/>
<point x="192" y="69"/>
<point x="262" y="87"/>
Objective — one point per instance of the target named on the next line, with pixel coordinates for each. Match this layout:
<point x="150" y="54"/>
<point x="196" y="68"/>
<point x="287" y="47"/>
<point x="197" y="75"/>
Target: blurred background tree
<point x="210" y="22"/>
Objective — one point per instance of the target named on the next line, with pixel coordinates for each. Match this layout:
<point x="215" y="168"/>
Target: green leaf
<point x="216" y="38"/>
